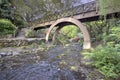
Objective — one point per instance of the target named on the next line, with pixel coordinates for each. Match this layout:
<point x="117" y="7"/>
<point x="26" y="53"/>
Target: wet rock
<point x="8" y="52"/>
<point x="4" y="54"/>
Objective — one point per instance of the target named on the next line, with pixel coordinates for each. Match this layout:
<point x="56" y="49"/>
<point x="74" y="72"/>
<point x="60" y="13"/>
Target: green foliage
<point x="96" y="29"/>
<point x="20" y="12"/>
<point x="18" y="20"/>
<point x="107" y="60"/>
<point x="0" y="1"/>
<point x="6" y="27"/>
<point x="62" y="39"/>
<point x="108" y="5"/>
<point x="68" y="33"/>
<point x="56" y="1"/>
<point x="114" y="35"/>
<point x="5" y="9"/>
<point x="31" y="8"/>
<point x="8" y="12"/>
<point x="30" y="34"/>
<point x="105" y="31"/>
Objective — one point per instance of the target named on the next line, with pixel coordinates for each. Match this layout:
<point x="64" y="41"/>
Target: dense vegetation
<point x="8" y="11"/>
<point x="106" y="57"/>
<point x="68" y="34"/>
<point x="21" y="12"/>
<point x="6" y="27"/>
<point x="106" y="6"/>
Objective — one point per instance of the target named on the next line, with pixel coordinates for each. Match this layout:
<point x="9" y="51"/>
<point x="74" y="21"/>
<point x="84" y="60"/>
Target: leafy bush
<point x="6" y="27"/>
<point x="106" y="60"/>
<point x="114" y="35"/>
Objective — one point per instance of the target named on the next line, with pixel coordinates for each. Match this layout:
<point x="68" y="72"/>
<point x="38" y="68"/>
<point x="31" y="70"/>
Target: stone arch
<point x="86" y="43"/>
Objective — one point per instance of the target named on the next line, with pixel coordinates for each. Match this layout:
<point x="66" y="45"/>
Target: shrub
<point x="6" y="27"/>
<point x="106" y="60"/>
<point x="30" y="34"/>
<point x="114" y="35"/>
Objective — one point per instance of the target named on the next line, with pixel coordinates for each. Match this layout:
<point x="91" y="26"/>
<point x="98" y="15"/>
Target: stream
<point x="35" y="63"/>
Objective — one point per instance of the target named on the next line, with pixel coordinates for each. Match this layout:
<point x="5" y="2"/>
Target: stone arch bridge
<point x="82" y="13"/>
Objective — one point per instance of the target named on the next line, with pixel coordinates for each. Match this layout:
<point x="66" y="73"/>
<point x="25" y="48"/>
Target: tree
<point x="109" y="5"/>
<point x="35" y="8"/>
<point x="5" y="9"/>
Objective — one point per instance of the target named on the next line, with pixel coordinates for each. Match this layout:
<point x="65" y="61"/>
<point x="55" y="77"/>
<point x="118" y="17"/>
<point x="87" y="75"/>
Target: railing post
<point x="97" y="6"/>
<point x="83" y="9"/>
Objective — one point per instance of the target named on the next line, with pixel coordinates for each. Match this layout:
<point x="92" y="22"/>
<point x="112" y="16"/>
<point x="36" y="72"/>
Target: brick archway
<point x="86" y="43"/>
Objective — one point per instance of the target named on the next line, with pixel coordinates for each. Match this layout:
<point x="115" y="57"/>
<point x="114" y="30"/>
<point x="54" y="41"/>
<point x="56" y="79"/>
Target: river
<point x="57" y="62"/>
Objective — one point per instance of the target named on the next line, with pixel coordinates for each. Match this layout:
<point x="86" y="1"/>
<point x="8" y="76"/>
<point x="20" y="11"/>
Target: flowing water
<point x="57" y="63"/>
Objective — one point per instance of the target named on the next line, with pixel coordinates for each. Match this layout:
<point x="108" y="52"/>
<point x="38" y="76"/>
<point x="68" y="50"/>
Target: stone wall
<point x="7" y="36"/>
<point x="19" y="42"/>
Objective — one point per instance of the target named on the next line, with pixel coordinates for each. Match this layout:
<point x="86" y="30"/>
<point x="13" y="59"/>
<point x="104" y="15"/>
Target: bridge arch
<point x="86" y="43"/>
